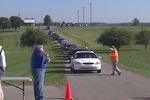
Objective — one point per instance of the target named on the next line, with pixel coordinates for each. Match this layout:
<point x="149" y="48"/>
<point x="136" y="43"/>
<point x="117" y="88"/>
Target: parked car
<point x="85" y="60"/>
<point x="50" y="32"/>
<point x="55" y="36"/>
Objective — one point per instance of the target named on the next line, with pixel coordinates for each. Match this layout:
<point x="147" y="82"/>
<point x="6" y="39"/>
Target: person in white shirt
<point x="2" y="69"/>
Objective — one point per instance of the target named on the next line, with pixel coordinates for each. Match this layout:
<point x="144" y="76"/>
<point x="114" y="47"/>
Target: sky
<point x="106" y="11"/>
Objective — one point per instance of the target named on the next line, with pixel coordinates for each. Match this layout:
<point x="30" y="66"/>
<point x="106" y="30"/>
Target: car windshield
<point x="85" y="55"/>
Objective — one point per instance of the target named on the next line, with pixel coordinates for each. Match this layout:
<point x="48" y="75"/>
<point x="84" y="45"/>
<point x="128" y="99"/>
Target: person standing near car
<point x="38" y="67"/>
<point x="2" y="69"/>
<point x="114" y="60"/>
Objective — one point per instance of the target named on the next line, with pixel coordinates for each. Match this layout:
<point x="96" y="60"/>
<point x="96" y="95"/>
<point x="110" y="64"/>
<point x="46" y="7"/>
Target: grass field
<point x="18" y="59"/>
<point x="132" y="57"/>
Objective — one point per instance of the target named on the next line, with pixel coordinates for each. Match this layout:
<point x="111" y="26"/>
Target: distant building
<point x="30" y="21"/>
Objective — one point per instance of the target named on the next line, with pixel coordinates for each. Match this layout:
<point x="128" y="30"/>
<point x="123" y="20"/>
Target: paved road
<point x="95" y="86"/>
<point x="51" y="93"/>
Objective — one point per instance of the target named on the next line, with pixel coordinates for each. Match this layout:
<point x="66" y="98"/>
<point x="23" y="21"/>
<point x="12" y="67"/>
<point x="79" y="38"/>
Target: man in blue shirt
<point x="38" y="67"/>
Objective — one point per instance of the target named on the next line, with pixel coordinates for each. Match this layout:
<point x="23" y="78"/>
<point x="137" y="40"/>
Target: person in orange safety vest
<point x="114" y="60"/>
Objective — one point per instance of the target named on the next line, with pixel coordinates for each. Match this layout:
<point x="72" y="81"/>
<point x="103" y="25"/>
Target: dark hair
<point x="39" y="42"/>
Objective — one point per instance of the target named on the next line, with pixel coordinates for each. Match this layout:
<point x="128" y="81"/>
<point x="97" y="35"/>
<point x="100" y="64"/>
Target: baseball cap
<point x="39" y="42"/>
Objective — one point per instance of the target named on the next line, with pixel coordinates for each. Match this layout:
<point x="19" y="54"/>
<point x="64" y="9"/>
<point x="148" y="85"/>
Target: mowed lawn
<point x="18" y="59"/>
<point x="132" y="57"/>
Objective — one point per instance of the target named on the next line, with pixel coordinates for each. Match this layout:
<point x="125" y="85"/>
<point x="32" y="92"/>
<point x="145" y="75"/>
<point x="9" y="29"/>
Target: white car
<point x="85" y="60"/>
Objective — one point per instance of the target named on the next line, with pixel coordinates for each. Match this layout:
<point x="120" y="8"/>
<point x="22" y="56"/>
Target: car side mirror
<point x="100" y="57"/>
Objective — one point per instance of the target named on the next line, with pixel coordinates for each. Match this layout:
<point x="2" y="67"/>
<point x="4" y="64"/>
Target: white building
<point x="30" y="21"/>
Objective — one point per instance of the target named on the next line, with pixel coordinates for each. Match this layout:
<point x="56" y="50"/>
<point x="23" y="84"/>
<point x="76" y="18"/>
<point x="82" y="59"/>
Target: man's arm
<point x="3" y="60"/>
<point x="43" y="53"/>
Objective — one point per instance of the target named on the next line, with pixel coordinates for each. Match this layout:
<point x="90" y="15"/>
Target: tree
<point x="15" y="21"/>
<point x="31" y="36"/>
<point x="143" y="38"/>
<point x="4" y="23"/>
<point x="115" y="36"/>
<point x="136" y="22"/>
<point x="63" y="24"/>
<point x="47" y="20"/>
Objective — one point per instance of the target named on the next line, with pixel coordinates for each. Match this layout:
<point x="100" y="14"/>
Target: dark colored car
<point x="72" y="51"/>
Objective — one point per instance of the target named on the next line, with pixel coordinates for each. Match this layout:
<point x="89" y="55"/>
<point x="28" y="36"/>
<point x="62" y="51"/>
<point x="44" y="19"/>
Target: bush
<point x="143" y="38"/>
<point x="31" y="36"/>
<point x="115" y="36"/>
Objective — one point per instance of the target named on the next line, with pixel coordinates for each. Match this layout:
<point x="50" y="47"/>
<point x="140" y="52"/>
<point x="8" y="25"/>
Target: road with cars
<point x="103" y="86"/>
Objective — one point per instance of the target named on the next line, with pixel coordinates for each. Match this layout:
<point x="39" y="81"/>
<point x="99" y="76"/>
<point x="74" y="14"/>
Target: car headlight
<point x="77" y="63"/>
<point x="97" y="63"/>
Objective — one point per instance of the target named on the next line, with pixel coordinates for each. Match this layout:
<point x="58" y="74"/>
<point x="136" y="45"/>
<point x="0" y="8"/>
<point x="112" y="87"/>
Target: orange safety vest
<point x="114" y="55"/>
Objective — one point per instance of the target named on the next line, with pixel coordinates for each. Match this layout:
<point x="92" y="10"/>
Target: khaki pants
<point x="115" y="67"/>
<point x="1" y="92"/>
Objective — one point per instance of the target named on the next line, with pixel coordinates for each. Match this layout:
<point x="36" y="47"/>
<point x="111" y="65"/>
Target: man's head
<point x="39" y="43"/>
<point x="112" y="48"/>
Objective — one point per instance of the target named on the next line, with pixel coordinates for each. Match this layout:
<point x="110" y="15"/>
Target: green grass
<point x="18" y="59"/>
<point x="132" y="57"/>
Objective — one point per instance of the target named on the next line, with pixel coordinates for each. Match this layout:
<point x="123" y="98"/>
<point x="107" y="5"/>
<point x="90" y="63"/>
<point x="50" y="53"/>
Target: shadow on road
<point x="54" y="98"/>
<point x="84" y="73"/>
<point x="141" y="98"/>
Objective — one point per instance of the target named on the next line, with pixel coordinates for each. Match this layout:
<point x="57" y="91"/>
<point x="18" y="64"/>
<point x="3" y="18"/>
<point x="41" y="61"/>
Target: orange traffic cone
<point x="68" y="93"/>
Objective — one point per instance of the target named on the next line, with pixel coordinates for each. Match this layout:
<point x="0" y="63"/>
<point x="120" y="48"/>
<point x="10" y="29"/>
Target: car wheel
<point x="72" y="69"/>
<point x="98" y="71"/>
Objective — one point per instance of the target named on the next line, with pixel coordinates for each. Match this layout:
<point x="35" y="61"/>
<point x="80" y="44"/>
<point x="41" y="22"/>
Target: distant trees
<point x="15" y="21"/>
<point x="12" y="22"/>
<point x="143" y="38"/>
<point x="4" y="23"/>
<point x="47" y="20"/>
<point x="31" y="36"/>
<point x="115" y="36"/>
<point x="135" y="22"/>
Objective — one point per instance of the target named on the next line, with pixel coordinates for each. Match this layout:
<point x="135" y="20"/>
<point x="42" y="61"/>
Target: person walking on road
<point x="38" y="67"/>
<point x="114" y="61"/>
<point x="2" y="69"/>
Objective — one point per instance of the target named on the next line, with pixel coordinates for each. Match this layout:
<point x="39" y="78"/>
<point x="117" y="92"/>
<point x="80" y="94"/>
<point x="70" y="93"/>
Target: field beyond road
<point x="132" y="57"/>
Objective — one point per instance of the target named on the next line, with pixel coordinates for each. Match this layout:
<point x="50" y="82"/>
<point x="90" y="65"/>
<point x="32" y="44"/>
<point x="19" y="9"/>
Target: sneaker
<point x="112" y="74"/>
<point x="119" y="73"/>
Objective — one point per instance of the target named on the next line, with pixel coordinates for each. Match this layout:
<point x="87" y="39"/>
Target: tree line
<point x="12" y="22"/>
<point x="120" y="37"/>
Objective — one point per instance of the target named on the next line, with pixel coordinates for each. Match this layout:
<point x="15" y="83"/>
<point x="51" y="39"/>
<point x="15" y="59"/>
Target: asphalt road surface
<point x="103" y="86"/>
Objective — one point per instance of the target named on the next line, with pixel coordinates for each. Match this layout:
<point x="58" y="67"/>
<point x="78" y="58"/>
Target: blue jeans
<point x="38" y="82"/>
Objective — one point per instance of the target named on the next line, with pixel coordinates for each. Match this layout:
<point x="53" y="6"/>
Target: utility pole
<point x="83" y="14"/>
<point x="90" y="12"/>
<point x="78" y="16"/>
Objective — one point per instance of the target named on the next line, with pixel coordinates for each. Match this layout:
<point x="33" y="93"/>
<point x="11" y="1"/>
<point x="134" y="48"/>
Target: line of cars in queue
<point x="80" y="58"/>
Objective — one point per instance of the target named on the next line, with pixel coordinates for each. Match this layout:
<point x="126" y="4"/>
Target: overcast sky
<point x="110" y="11"/>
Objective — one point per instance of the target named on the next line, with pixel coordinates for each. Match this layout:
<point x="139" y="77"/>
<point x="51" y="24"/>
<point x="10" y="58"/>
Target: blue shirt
<point x="37" y="61"/>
